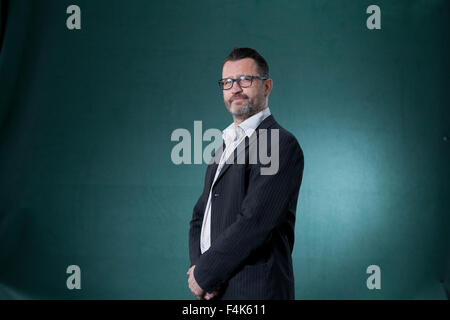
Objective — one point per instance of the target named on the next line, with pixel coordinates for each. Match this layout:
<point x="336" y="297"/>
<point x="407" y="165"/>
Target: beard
<point x="243" y="112"/>
<point x="252" y="107"/>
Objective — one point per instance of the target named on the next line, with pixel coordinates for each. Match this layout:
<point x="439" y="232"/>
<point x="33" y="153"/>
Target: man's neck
<point x="239" y="120"/>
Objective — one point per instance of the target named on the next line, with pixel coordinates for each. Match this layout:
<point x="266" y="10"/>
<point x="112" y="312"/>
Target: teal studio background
<point x="86" y="118"/>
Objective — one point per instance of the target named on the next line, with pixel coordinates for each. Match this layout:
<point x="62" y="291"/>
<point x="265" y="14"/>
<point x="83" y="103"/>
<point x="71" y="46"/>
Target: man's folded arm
<point x="262" y="211"/>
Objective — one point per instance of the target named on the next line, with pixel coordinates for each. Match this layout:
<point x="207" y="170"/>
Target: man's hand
<point x="195" y="288"/>
<point x="193" y="285"/>
<point x="209" y="296"/>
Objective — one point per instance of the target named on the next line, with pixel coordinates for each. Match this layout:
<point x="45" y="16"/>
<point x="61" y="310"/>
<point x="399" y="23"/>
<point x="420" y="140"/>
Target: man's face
<point x="245" y="102"/>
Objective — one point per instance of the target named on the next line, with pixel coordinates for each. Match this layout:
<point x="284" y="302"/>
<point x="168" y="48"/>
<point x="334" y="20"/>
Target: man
<point x="242" y="229"/>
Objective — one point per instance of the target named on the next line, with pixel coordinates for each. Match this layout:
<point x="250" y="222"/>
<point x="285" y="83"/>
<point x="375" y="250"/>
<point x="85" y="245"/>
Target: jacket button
<point x="216" y="195"/>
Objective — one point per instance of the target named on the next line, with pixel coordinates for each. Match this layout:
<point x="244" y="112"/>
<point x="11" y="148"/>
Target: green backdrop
<point x="86" y="116"/>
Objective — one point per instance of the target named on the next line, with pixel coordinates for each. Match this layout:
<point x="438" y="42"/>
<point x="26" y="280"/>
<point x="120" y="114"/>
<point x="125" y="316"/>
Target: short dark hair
<point x="242" y="53"/>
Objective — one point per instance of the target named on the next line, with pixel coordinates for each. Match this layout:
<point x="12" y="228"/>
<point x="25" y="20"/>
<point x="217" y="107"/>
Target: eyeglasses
<point x="242" y="81"/>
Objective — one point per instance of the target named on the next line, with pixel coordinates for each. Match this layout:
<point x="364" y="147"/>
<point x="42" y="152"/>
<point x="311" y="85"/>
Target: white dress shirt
<point x="232" y="136"/>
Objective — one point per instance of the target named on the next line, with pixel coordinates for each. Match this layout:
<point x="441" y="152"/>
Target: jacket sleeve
<point x="263" y="209"/>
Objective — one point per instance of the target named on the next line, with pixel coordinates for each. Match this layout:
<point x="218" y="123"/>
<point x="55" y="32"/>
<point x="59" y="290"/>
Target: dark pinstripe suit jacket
<point x="252" y="225"/>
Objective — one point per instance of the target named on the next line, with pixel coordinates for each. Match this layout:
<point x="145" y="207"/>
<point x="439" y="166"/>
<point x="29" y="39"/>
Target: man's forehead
<point x="239" y="67"/>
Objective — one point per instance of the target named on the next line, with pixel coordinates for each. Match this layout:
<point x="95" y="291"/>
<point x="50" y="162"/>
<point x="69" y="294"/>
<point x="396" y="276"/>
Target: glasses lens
<point x="245" y="81"/>
<point x="226" y="84"/>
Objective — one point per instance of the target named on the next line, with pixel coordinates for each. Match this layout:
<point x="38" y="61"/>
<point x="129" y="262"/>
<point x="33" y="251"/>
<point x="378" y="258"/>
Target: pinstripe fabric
<point x="252" y="225"/>
<point x="231" y="136"/>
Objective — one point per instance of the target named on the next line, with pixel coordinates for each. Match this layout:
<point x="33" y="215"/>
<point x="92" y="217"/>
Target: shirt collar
<point x="248" y="126"/>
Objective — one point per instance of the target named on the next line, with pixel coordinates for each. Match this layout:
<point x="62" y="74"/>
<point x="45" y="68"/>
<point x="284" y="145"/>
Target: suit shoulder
<point x="287" y="137"/>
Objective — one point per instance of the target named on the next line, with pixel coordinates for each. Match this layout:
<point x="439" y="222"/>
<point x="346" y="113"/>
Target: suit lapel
<point x="265" y="124"/>
<point x="213" y="165"/>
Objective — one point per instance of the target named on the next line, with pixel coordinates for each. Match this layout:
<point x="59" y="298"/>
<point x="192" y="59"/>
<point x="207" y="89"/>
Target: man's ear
<point x="268" y="85"/>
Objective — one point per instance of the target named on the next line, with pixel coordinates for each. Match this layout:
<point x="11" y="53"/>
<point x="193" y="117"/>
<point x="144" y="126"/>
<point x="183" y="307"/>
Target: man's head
<point x="252" y="95"/>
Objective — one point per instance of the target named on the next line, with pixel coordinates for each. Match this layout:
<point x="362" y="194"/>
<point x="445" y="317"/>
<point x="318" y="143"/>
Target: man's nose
<point x="236" y="87"/>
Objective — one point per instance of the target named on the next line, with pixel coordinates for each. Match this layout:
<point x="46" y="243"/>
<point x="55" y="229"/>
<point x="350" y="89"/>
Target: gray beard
<point x="245" y="112"/>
